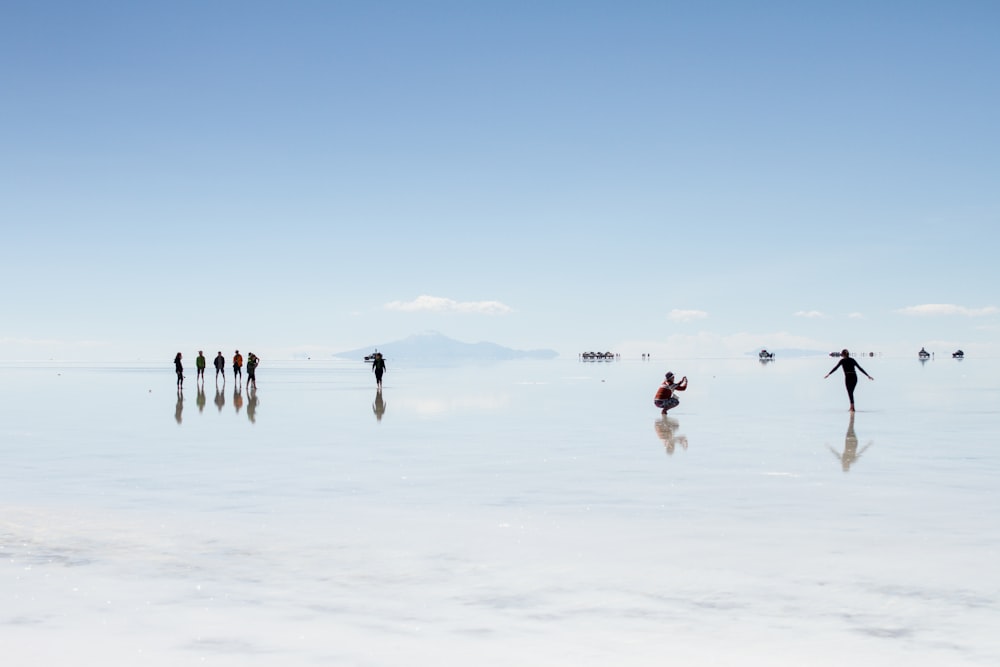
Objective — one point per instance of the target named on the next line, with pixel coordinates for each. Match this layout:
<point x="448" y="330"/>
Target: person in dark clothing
<point x="179" y="368"/>
<point x="253" y="361"/>
<point x="850" y="367"/>
<point x="220" y="367"/>
<point x="378" y="365"/>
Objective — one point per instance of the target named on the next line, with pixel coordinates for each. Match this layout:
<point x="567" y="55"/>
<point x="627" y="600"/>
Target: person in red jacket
<point x="665" y="397"/>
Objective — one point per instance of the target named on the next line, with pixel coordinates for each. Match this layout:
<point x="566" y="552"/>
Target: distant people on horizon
<point x="850" y="367"/>
<point x="199" y="363"/>
<point x="253" y="361"/>
<point x="220" y="366"/>
<point x="378" y="365"/>
<point x="238" y="368"/>
<point x="665" y="398"/>
<point x="179" y="369"/>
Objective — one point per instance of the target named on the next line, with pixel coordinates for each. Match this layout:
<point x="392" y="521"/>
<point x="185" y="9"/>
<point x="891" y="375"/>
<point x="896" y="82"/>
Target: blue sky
<point x="677" y="178"/>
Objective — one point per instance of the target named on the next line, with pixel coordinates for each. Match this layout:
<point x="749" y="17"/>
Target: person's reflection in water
<point x="201" y="398"/>
<point x="851" y="453"/>
<point x="378" y="407"/>
<point x="180" y="406"/>
<point x="220" y="399"/>
<point x="252" y="405"/>
<point x="237" y="399"/>
<point x="666" y="430"/>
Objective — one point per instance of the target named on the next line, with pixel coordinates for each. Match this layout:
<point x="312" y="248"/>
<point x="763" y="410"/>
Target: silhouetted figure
<point x="253" y="361"/>
<point x="378" y="365"/>
<point x="199" y="363"/>
<point x="220" y="367"/>
<point x="238" y="368"/>
<point x="665" y="397"/>
<point x="850" y="367"/>
<point x="378" y="407"/>
<point x="851" y="453"/>
<point x="179" y="369"/>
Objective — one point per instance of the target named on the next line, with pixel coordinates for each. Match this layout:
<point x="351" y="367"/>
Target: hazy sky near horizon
<point x="639" y="176"/>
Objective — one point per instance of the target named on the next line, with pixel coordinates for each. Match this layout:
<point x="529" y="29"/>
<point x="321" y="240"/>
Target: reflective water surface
<point x="538" y="513"/>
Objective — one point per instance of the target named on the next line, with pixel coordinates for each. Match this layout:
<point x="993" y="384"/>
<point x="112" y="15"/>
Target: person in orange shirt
<point x="238" y="368"/>
<point x="665" y="398"/>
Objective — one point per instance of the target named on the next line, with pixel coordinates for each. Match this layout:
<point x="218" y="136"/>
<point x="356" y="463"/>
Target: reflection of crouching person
<point x="664" y="398"/>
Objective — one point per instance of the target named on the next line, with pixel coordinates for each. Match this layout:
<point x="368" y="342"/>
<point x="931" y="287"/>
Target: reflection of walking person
<point x="199" y="363"/>
<point x="179" y="369"/>
<point x="664" y="397"/>
<point x="378" y="407"/>
<point x="851" y="453"/>
<point x="238" y="368"/>
<point x="378" y="365"/>
<point x="850" y="375"/>
<point x="253" y="361"/>
<point x="220" y="366"/>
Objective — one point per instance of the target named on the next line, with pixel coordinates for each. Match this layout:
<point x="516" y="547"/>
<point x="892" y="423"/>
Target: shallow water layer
<point x="533" y="512"/>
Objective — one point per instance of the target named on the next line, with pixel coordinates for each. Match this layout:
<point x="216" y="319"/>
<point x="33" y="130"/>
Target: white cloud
<point x="437" y="304"/>
<point x="933" y="309"/>
<point x="813" y="314"/>
<point x="678" y="315"/>
<point x="856" y="316"/>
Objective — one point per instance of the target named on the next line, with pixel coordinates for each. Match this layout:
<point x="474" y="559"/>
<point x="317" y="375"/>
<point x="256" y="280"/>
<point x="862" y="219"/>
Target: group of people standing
<point x="253" y="361"/>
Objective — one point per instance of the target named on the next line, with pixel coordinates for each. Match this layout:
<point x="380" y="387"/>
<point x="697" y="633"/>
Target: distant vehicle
<point x="958" y="354"/>
<point x="924" y="354"/>
<point x="598" y="356"/>
<point x="765" y="355"/>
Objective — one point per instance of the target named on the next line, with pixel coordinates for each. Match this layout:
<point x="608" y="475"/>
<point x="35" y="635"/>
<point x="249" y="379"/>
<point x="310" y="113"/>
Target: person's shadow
<point x="666" y="431"/>
<point x="378" y="407"/>
<point x="179" y="408"/>
<point x="850" y="454"/>
<point x="252" y="405"/>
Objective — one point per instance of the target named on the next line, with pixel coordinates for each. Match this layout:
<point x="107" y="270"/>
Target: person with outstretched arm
<point x="850" y="367"/>
<point x="665" y="398"/>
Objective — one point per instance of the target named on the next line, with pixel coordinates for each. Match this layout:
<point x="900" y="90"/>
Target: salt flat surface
<point x="531" y="513"/>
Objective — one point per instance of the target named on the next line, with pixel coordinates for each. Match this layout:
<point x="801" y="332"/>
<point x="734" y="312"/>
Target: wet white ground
<point x="537" y="513"/>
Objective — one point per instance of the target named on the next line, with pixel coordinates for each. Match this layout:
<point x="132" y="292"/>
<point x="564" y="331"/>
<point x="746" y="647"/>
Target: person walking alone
<point x="378" y="365"/>
<point x="850" y="367"/>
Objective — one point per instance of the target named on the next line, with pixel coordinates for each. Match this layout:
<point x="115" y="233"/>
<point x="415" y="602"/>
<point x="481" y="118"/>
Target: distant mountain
<point x="435" y="346"/>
